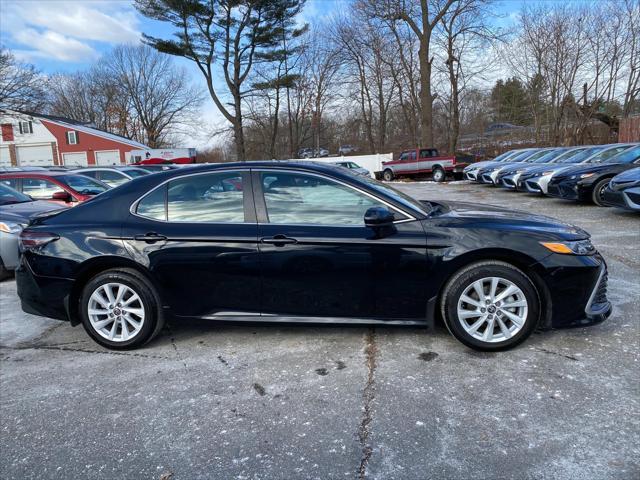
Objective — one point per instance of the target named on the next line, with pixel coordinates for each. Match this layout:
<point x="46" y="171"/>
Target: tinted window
<point x="113" y="178"/>
<point x="9" y="196"/>
<point x="89" y="173"/>
<point x="296" y="198"/>
<point x="40" y="188"/>
<point x="154" y="204"/>
<point x="84" y="185"/>
<point x="135" y="172"/>
<point x="11" y="182"/>
<point x="628" y="156"/>
<point x="213" y="197"/>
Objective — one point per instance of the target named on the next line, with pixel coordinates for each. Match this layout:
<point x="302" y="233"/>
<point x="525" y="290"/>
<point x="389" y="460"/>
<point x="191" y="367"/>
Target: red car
<point x="419" y="161"/>
<point x="64" y="188"/>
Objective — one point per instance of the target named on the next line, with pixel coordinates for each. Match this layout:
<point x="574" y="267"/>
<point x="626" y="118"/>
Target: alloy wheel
<point x="492" y="309"/>
<point x="116" y="312"/>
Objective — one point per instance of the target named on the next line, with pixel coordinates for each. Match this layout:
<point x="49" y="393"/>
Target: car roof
<point x="38" y="173"/>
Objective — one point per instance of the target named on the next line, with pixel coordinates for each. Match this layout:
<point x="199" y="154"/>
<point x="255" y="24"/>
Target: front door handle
<point x="150" y="237"/>
<point x="278" y="240"/>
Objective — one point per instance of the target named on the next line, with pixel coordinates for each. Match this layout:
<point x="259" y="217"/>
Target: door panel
<point x="205" y="268"/>
<point x="340" y="268"/>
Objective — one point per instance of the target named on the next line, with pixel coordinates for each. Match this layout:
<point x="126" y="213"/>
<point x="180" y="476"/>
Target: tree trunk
<point x="426" y="99"/>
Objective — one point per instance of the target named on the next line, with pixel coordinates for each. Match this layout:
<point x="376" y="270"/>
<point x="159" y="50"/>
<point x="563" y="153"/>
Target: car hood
<point x="23" y="212"/>
<point x="588" y="168"/>
<point x="503" y="218"/>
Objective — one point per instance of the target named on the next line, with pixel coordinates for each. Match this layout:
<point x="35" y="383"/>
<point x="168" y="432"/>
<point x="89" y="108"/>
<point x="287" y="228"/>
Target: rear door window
<point x="40" y="188"/>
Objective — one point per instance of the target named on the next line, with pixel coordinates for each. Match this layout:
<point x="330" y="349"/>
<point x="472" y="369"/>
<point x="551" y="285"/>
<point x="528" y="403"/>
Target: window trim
<point x="75" y="137"/>
<point x="261" y="204"/>
<point x="247" y="199"/>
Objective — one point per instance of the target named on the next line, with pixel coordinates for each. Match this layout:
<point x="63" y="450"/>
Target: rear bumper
<point x="44" y="296"/>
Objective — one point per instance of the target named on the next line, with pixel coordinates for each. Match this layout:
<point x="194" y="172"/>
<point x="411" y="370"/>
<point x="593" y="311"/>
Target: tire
<point x="388" y="175"/>
<point x="144" y="311"/>
<point x="598" y="191"/>
<point x="439" y="175"/>
<point x="525" y="297"/>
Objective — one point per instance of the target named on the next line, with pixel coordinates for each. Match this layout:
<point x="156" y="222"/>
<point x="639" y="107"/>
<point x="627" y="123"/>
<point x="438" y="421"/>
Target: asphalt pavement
<point x="208" y="401"/>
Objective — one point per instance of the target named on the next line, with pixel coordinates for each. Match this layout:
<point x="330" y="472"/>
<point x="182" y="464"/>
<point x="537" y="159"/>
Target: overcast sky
<point x="68" y="35"/>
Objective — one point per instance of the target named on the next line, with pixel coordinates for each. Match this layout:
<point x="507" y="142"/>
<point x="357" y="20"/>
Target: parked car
<point x="624" y="191"/>
<point x="313" y="152"/>
<point x="420" y="161"/>
<point x="113" y="176"/>
<point x="354" y="167"/>
<point x="67" y="189"/>
<point x="346" y="149"/>
<point x="470" y="172"/>
<point x="489" y="173"/>
<point x="587" y="182"/>
<point x="299" y="242"/>
<point x="507" y="176"/>
<point x="536" y="178"/>
<point x="16" y="209"/>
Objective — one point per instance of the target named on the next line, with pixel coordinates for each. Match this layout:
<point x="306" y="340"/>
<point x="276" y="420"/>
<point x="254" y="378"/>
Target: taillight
<point x="32" y="239"/>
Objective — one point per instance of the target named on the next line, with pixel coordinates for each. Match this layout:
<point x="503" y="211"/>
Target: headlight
<point x="550" y="172"/>
<point x="520" y="171"/>
<point x="580" y="247"/>
<point x="587" y="175"/>
<point x="11" y="227"/>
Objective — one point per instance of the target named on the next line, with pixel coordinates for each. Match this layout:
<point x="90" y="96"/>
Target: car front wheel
<point x="490" y="306"/>
<point x="119" y="309"/>
<point x="598" y="192"/>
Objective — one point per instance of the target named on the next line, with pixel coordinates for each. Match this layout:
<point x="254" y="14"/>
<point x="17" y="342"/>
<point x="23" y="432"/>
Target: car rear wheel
<point x="119" y="309"/>
<point x="490" y="306"/>
<point x="387" y="175"/>
<point x="598" y="192"/>
<point x="439" y="175"/>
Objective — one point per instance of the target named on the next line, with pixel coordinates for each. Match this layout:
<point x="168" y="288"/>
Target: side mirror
<point x="376" y="217"/>
<point x="62" y="196"/>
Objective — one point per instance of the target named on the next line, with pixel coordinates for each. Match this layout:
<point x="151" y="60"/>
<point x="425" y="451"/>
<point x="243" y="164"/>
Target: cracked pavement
<point x="270" y="401"/>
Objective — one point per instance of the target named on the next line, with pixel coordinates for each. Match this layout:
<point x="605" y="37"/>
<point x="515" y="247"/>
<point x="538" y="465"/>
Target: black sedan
<point x="624" y="191"/>
<point x="587" y="182"/>
<point x="304" y="242"/>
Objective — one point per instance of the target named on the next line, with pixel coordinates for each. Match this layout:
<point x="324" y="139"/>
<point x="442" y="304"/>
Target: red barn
<point x="36" y="139"/>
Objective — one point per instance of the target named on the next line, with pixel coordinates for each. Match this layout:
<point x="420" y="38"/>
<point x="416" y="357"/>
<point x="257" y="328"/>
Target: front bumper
<point x="9" y="250"/>
<point x="534" y="184"/>
<point x="628" y="199"/>
<point x="471" y="175"/>
<point x="510" y="181"/>
<point x="577" y="286"/>
<point x="569" y="190"/>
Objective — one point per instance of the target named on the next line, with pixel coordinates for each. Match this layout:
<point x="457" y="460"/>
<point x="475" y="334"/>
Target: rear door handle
<point x="278" y="240"/>
<point x="150" y="237"/>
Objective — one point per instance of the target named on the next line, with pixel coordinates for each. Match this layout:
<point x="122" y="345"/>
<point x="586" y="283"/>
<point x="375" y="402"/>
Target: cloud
<point x="67" y="31"/>
<point x="53" y="45"/>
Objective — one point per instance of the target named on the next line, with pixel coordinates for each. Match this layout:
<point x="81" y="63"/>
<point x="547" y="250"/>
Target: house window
<point x="72" y="138"/>
<point x="25" y="127"/>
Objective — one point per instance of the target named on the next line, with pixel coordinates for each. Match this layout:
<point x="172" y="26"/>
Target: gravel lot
<point x="212" y="401"/>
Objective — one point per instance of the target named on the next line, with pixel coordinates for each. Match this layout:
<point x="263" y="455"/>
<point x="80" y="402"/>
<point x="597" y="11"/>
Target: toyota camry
<point x="304" y="242"/>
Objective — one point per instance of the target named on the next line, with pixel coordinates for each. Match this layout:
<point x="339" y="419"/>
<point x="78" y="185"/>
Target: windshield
<point x="84" y="185"/>
<point x="583" y="155"/>
<point x="9" y="196"/>
<point x="393" y="193"/>
<point x="552" y="155"/>
<point x="540" y="157"/>
<point x="567" y="157"/>
<point x="135" y="172"/>
<point x="627" y="156"/>
<point x="606" y="153"/>
<point x="522" y="156"/>
<point x="533" y="156"/>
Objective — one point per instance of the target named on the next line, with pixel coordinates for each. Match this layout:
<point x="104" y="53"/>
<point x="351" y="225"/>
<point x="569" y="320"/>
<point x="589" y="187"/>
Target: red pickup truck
<point x="419" y="161"/>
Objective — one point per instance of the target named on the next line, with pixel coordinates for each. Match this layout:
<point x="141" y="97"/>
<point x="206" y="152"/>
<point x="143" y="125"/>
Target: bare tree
<point x="22" y="86"/>
<point x="161" y="97"/>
